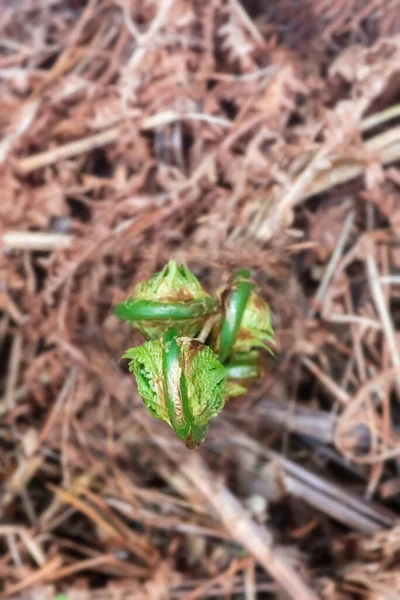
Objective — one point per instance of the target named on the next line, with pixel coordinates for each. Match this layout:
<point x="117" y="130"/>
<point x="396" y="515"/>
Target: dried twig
<point x="258" y="540"/>
<point x="109" y="136"/>
<point x="333" y="387"/>
<point x="320" y="493"/>
<point x="146" y="39"/>
<point x="135" y="543"/>
<point x="31" y="163"/>
<point x="249" y="24"/>
<point x="38" y="576"/>
<point x="381" y="306"/>
<point x="36" y="240"/>
<point x="381" y="147"/>
<point x="31" y="544"/>
<point x="330" y="269"/>
<point x="13" y="370"/>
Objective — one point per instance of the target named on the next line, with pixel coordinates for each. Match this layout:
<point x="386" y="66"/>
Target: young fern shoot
<point x="185" y="380"/>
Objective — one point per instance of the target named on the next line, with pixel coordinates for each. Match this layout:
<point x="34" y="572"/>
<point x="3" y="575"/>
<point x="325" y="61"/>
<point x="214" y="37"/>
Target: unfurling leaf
<point x="174" y="296"/>
<point x="246" y="320"/>
<point x="181" y="381"/>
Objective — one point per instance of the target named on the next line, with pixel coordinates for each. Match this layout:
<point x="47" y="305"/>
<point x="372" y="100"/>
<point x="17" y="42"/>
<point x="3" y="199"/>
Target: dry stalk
<point x="320" y="493"/>
<point x="382" y="308"/>
<point x="256" y="539"/>
<point x="330" y="269"/>
<point x="145" y="40"/>
<point x="385" y="147"/>
<point x="36" y="241"/>
<point x="330" y="385"/>
<point x="43" y="159"/>
<point x="13" y="370"/>
<point x="37" y="576"/>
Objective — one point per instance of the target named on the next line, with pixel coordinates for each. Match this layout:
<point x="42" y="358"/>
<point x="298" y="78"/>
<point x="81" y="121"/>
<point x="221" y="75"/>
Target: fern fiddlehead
<point x="181" y="380"/>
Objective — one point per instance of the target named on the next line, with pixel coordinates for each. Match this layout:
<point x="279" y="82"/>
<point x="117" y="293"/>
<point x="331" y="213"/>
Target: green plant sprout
<point x="181" y="381"/>
<point x="242" y="368"/>
<point x="246" y="320"/>
<point x="172" y="297"/>
<point x="200" y="351"/>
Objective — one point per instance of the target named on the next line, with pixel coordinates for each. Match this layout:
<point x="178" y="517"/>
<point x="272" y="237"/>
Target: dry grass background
<point x="221" y="133"/>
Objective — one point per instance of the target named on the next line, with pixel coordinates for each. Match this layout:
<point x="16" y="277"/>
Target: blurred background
<point x="222" y="134"/>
